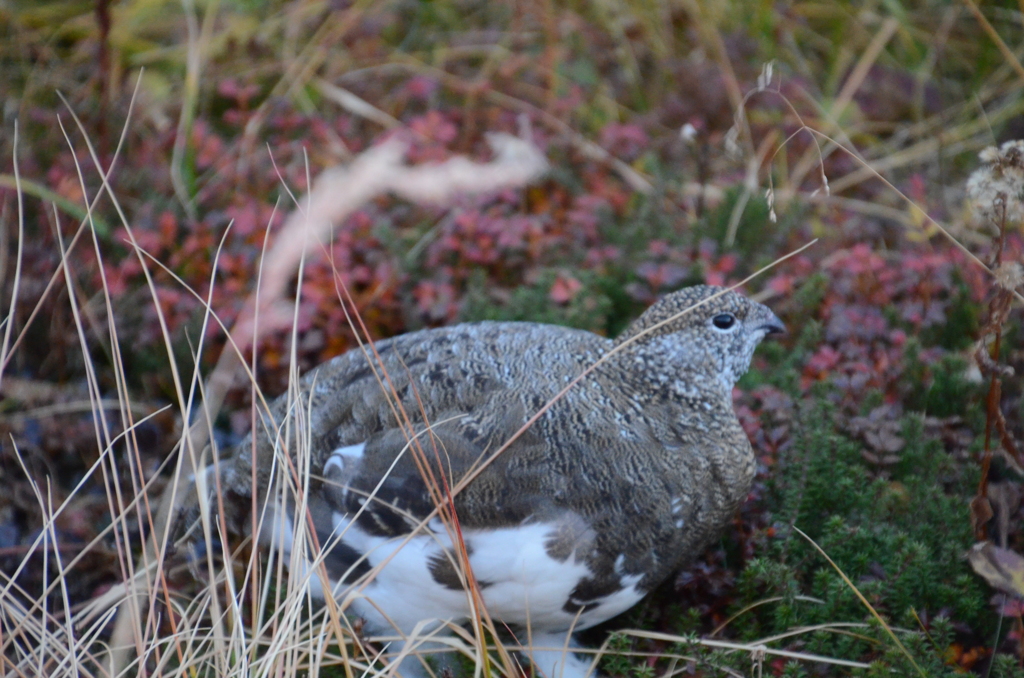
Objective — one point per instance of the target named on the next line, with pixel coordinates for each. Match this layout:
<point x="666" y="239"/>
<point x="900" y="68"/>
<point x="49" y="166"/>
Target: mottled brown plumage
<point x="631" y="472"/>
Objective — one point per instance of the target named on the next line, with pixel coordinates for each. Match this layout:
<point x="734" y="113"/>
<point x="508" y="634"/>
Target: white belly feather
<point x="524" y="585"/>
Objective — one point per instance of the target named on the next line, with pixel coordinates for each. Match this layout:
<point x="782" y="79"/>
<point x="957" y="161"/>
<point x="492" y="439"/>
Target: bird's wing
<point x="460" y="392"/>
<point x="396" y="477"/>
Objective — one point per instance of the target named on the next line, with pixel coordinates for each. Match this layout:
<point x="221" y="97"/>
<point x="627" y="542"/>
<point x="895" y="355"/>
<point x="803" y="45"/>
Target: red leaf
<point x="564" y="289"/>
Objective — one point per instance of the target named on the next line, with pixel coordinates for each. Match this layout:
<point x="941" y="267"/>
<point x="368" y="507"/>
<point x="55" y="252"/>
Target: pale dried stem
<point x="589" y="149"/>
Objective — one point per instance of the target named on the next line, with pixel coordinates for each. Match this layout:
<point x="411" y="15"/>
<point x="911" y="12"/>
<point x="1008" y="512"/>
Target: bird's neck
<point x="667" y="371"/>
<point x="689" y="408"/>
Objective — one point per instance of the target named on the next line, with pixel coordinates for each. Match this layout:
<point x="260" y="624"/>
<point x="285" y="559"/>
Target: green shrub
<point x="899" y="536"/>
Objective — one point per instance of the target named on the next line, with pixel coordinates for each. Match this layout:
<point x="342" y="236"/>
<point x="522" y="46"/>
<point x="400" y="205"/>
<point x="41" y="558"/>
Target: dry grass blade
<point x="353" y="104"/>
<point x="1004" y="49"/>
<point x="8" y="320"/>
<point x="134" y="633"/>
<point x="756" y="647"/>
<point x="718" y="629"/>
<point x="86" y="220"/>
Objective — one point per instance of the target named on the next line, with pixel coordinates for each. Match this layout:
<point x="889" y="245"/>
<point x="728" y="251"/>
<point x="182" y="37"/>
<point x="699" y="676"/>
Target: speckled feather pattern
<point x="635" y="469"/>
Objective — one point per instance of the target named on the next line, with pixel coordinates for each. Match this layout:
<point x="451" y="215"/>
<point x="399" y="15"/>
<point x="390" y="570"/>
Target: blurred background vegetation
<point x="690" y="141"/>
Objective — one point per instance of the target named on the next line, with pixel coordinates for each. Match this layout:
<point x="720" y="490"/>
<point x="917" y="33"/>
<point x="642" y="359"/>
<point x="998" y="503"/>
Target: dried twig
<point x="996" y="188"/>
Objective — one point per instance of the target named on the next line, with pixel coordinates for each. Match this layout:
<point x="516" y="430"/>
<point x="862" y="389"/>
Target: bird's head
<point x="703" y="329"/>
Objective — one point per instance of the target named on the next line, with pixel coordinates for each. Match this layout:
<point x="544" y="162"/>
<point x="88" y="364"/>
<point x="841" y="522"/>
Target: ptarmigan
<point x="621" y="481"/>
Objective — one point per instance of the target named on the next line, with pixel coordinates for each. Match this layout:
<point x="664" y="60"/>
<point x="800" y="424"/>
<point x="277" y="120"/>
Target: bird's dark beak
<point x="773" y="326"/>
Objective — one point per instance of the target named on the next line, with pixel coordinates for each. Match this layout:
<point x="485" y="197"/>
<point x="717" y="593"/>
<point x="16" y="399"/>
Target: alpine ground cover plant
<point x="886" y="423"/>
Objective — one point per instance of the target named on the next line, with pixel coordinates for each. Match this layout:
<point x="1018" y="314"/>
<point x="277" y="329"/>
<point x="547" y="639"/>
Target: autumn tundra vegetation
<point x="202" y="200"/>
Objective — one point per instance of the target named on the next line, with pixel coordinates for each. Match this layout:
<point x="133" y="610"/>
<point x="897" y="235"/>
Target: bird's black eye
<point x="724" y="321"/>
